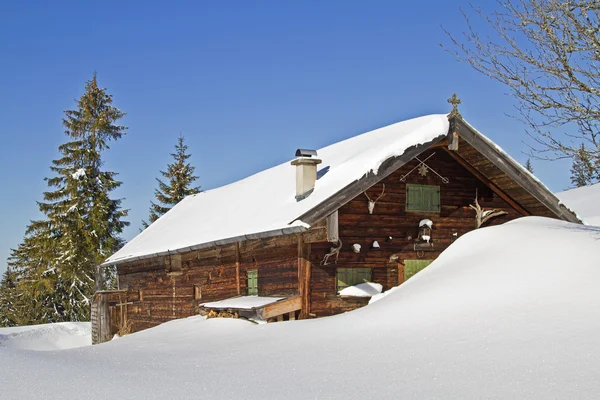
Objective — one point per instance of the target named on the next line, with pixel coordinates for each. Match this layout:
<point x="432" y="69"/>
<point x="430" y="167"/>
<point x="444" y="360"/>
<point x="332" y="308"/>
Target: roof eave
<point x="515" y="171"/>
<point x="202" y="246"/>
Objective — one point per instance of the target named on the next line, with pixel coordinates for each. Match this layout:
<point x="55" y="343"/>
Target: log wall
<point x="390" y="218"/>
<point x="157" y="296"/>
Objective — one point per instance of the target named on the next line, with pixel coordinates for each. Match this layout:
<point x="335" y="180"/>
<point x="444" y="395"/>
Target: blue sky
<point x="245" y="82"/>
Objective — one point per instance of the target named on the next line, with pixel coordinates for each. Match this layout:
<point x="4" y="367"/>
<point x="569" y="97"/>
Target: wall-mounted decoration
<point x="371" y="203"/>
<point x="334" y="251"/>
<point x="424" y="241"/>
<point x="375" y="245"/>
<point x="356" y="248"/>
<point x="423" y="168"/>
<point x="425" y="227"/>
<point x="481" y="215"/>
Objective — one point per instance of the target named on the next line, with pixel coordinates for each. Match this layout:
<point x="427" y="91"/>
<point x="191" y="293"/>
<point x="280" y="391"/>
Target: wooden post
<point x="237" y="267"/>
<point x="304" y="271"/>
<point x="400" y="273"/>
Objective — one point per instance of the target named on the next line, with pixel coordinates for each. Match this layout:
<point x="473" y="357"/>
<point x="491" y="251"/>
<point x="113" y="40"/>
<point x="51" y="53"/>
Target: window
<point x="252" y="283"/>
<point x="411" y="267"/>
<point x="422" y="198"/>
<point x="173" y="264"/>
<point x="352" y="276"/>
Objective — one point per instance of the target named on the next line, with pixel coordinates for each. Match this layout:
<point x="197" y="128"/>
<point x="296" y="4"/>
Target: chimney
<point x="306" y="172"/>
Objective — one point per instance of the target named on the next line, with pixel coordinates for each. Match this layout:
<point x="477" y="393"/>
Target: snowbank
<point x="507" y="312"/>
<point x="585" y="201"/>
<point x="60" y="336"/>
<point x="366" y="289"/>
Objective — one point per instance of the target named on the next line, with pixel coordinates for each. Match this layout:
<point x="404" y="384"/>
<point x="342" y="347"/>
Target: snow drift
<point x="60" y="336"/>
<point x="506" y="312"/>
<point x="585" y="201"/>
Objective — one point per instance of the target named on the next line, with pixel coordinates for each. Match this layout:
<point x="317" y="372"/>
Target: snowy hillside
<point x="506" y="312"/>
<point x="64" y="335"/>
<point x="585" y="201"/>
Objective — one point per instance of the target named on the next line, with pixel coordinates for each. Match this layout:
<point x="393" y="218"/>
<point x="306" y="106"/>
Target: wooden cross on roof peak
<point x="455" y="101"/>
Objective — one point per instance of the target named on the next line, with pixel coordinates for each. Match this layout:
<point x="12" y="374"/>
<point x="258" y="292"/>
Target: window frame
<point x="423" y="189"/>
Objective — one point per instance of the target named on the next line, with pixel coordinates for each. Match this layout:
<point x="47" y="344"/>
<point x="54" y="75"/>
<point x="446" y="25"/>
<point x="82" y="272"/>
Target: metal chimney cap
<point x="305" y="153"/>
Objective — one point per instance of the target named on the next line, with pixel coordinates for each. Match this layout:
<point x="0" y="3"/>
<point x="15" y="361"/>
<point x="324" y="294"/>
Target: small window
<point x="352" y="276"/>
<point x="197" y="292"/>
<point x="411" y="267"/>
<point x="173" y="264"/>
<point x="422" y="198"/>
<point x="252" y="283"/>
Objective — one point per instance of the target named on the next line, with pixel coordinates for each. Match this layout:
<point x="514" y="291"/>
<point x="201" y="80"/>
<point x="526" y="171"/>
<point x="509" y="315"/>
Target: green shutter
<point x="422" y="198"/>
<point x="252" y="282"/>
<point x="411" y="267"/>
<point x="431" y="198"/>
<point x="414" y="197"/>
<point x="352" y="276"/>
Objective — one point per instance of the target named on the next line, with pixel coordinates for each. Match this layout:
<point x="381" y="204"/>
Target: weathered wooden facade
<point x="378" y="241"/>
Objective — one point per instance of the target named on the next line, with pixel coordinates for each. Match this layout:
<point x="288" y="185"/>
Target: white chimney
<point x="306" y="172"/>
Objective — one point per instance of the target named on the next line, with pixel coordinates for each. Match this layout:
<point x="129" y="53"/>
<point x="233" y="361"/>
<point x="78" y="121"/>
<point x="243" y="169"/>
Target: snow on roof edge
<point x="206" y="245"/>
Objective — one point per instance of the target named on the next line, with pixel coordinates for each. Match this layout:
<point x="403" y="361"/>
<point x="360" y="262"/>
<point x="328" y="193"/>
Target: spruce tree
<point x="56" y="263"/>
<point x="528" y="165"/>
<point x="7" y="299"/>
<point x="583" y="170"/>
<point x="180" y="175"/>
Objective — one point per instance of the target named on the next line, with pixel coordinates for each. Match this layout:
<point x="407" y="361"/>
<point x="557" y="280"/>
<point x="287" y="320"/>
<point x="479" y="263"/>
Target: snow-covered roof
<point x="265" y="202"/>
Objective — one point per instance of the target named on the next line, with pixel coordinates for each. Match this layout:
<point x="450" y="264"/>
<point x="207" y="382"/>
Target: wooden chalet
<point x="377" y="207"/>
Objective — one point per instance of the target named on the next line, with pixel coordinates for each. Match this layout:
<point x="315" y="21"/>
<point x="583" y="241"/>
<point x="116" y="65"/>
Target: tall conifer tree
<point x="180" y="175"/>
<point x="56" y="263"/>
<point x="7" y="299"/>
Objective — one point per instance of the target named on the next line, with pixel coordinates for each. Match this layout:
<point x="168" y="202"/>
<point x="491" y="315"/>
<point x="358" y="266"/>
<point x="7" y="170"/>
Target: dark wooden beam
<point x="514" y="171"/>
<point x="355" y="188"/>
<point x="304" y="272"/>
<point x="237" y="268"/>
<point x="487" y="182"/>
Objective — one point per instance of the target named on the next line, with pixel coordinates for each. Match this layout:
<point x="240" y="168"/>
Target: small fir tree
<point x="180" y="175"/>
<point x="583" y="170"/>
<point x="528" y="165"/>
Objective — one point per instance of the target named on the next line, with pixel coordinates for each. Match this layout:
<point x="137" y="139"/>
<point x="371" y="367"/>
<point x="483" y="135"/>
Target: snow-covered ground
<point x="64" y="335"/>
<point x="506" y="312"/>
<point x="585" y="201"/>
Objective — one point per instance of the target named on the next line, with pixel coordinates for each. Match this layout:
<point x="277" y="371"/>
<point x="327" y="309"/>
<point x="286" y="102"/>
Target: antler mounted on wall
<point x="482" y="216"/>
<point x="335" y="251"/>
<point x="371" y="203"/>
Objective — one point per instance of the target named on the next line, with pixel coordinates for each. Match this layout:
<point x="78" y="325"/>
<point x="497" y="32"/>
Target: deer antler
<point x="371" y="204"/>
<point x="482" y="216"/>
<point x="334" y="251"/>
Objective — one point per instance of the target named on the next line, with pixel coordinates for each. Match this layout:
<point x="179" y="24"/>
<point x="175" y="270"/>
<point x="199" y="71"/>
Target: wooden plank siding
<point x="390" y="218"/>
<point x="213" y="275"/>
